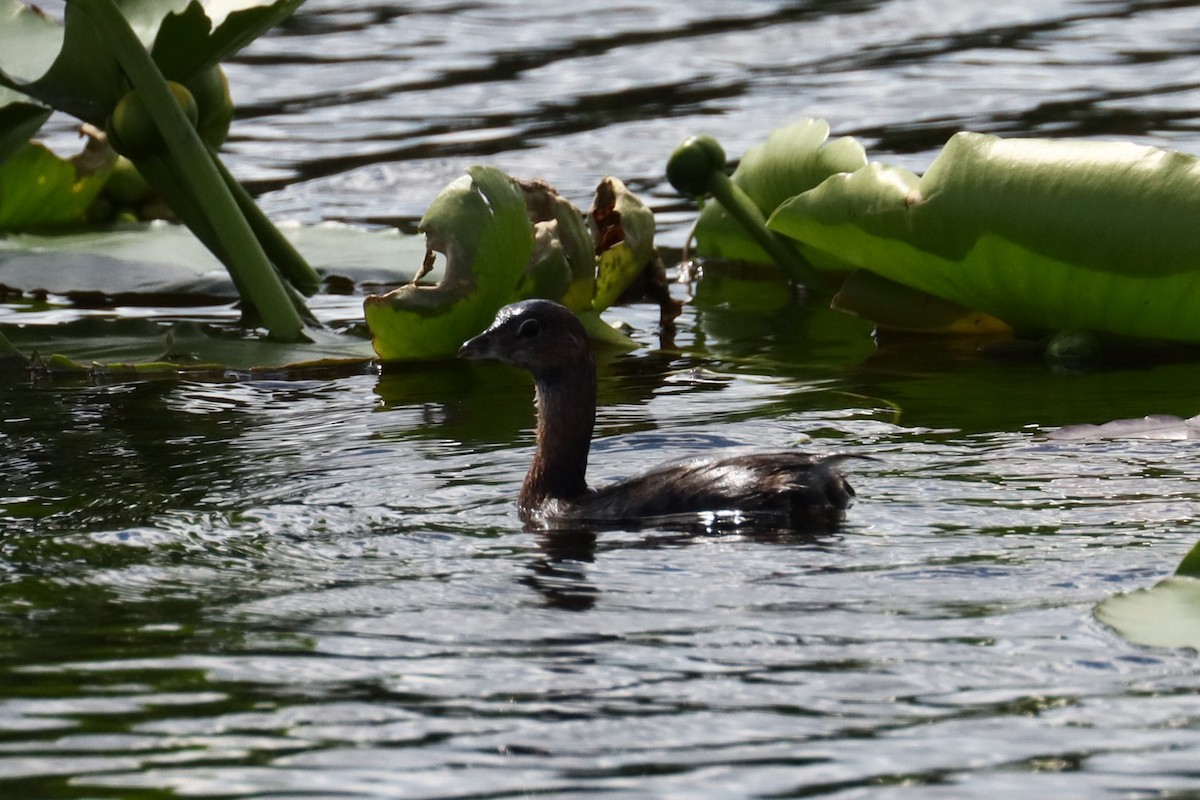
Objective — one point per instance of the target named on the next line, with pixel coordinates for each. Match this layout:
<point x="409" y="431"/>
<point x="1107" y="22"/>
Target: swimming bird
<point x="546" y="339"/>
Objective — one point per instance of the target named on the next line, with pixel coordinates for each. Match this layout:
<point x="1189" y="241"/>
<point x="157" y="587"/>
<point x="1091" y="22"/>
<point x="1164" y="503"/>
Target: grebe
<point x="548" y="340"/>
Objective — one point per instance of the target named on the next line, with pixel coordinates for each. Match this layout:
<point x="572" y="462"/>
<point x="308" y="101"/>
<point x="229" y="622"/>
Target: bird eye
<point x="529" y="329"/>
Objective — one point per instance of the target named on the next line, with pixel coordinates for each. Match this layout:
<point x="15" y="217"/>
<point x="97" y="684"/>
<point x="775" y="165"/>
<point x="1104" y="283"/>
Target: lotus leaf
<point x="623" y="229"/>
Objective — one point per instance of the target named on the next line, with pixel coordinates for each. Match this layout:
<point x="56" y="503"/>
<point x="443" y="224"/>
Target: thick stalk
<point x="191" y="161"/>
<point x="282" y="253"/>
<point x="743" y="209"/>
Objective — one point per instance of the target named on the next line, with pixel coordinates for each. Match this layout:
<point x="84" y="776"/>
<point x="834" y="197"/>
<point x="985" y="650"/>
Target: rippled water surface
<point x="319" y="588"/>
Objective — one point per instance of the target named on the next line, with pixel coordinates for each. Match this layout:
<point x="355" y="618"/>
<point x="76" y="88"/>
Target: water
<point x="321" y="589"/>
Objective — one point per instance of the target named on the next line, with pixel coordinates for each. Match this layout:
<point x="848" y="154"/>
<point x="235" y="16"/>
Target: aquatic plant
<point x="1164" y="615"/>
<point x="137" y="68"/>
<point x="1040" y="235"/>
<point x="504" y="240"/>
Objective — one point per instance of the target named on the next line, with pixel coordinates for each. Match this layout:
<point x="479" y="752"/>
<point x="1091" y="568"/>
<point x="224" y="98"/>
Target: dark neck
<point x="566" y="415"/>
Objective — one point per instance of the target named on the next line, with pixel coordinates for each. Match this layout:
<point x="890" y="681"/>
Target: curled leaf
<point x="563" y="266"/>
<point x="623" y="229"/>
<point x="481" y="226"/>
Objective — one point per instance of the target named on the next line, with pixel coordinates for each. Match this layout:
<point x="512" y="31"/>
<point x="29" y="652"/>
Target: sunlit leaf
<point x="1165" y="615"/>
<point x="72" y="67"/>
<point x="793" y="159"/>
<point x="481" y="225"/>
<point x="1046" y="235"/>
<point x="39" y="189"/>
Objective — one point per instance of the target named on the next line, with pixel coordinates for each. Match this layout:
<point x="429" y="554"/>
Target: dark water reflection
<point x="321" y="589"/>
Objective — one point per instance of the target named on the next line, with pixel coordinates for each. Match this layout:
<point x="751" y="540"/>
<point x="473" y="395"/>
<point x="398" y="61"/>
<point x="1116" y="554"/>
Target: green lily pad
<point x="1165" y="615"/>
<point x="1045" y="235"/>
<point x="793" y="159"/>
<point x="162" y="263"/>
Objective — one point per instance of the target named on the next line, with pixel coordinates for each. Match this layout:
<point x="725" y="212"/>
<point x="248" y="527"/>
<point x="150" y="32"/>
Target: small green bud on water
<point x="693" y="163"/>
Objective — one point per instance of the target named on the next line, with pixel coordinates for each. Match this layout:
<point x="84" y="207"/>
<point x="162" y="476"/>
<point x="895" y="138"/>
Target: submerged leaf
<point x="1046" y="235"/>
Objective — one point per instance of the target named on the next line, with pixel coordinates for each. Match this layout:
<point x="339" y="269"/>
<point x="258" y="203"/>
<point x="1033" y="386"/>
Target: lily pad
<point x="118" y="348"/>
<point x="140" y="263"/>
<point x="1045" y="235"/>
<point x="1165" y="615"/>
<point x="1153" y="426"/>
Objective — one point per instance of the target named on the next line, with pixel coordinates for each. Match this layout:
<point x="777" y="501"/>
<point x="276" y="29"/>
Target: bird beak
<point x="476" y="347"/>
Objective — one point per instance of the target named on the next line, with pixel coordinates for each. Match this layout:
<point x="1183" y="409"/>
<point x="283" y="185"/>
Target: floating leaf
<point x="1046" y="235"/>
<point x="1153" y="426"/>
<point x="481" y="226"/>
<point x="122" y="347"/>
<point x="154" y="260"/>
<point x="1165" y="615"/>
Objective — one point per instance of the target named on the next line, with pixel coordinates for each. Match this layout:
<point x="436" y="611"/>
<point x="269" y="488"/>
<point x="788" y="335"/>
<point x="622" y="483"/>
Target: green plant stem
<point x="246" y="260"/>
<point x="743" y="209"/>
<point x="282" y="253"/>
